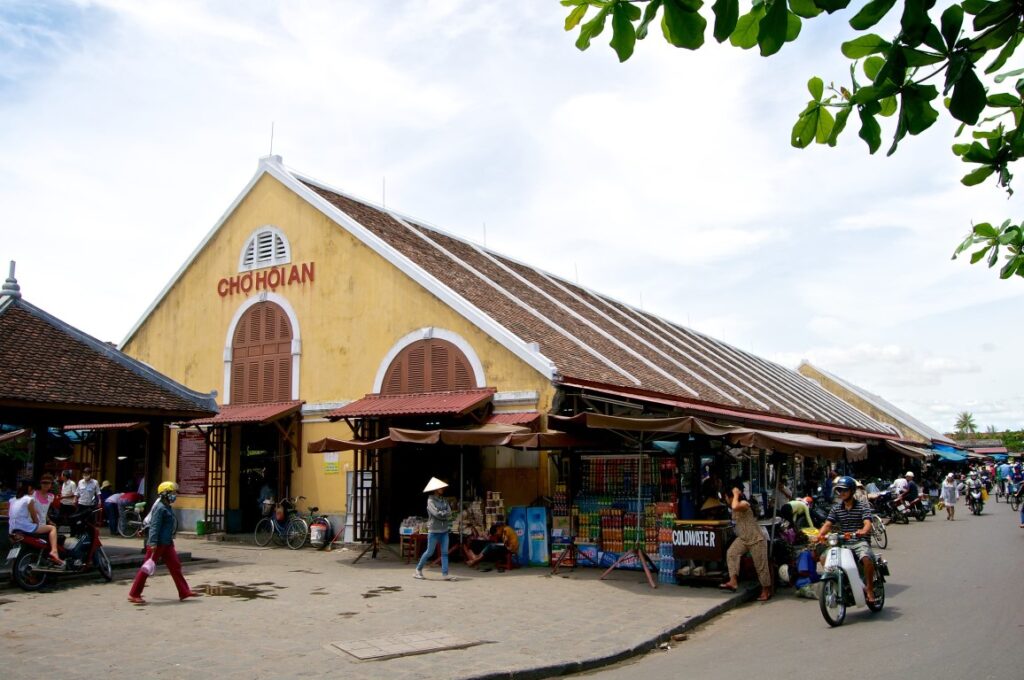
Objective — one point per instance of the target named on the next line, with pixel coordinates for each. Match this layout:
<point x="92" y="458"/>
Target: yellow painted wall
<point x="349" y="317"/>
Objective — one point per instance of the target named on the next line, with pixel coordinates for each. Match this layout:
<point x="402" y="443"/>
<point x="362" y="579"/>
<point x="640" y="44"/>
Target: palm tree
<point x="965" y="424"/>
<point x="991" y="429"/>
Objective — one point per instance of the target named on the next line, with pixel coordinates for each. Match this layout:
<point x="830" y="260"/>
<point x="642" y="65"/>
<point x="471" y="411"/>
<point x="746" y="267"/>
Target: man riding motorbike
<point x="972" y="483"/>
<point x="853" y="517"/>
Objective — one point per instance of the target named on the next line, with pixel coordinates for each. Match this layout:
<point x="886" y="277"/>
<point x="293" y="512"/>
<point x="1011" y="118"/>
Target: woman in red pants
<point x="160" y="546"/>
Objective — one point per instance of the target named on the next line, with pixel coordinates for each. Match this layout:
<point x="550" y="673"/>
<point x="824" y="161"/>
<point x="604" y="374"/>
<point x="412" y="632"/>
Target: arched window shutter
<point x="261" y="369"/>
<point x="428" y="366"/>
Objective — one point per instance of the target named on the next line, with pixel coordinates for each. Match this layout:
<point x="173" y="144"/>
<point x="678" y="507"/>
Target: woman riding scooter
<point x="24" y="518"/>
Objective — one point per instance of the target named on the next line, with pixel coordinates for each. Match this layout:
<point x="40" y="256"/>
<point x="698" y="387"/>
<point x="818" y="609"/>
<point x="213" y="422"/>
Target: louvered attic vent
<point x="266" y="248"/>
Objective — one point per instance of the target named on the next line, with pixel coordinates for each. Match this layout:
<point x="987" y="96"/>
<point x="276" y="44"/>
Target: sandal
<point x="727" y="586"/>
<point x="764" y="597"/>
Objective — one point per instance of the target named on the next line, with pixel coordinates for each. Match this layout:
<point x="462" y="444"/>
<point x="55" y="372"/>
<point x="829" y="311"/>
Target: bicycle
<point x="282" y="525"/>
<point x="129" y="524"/>
<point x="878" y="533"/>
<point x="1014" y="495"/>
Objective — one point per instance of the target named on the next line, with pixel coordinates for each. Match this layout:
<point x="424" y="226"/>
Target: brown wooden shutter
<point x="261" y="369"/>
<point x="428" y="366"/>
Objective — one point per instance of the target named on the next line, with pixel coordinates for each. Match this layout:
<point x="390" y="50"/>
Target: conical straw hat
<point x="434" y="484"/>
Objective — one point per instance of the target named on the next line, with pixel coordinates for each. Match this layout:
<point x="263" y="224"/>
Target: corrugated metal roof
<point x="103" y="426"/>
<point x="591" y="337"/>
<point x="423" y="403"/>
<point x="240" y="414"/>
<point x="514" y="418"/>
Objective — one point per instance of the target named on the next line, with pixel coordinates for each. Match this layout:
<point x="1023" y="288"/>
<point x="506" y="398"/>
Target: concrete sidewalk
<point x="281" y="613"/>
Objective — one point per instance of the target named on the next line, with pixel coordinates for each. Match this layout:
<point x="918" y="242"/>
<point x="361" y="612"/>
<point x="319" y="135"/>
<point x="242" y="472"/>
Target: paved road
<point x="953" y="610"/>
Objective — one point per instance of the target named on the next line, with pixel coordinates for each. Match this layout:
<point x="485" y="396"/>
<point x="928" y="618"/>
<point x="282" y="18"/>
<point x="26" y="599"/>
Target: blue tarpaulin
<point x="949" y="454"/>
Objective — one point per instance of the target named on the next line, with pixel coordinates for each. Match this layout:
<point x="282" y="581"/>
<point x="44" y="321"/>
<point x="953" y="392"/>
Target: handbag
<point x="149" y="566"/>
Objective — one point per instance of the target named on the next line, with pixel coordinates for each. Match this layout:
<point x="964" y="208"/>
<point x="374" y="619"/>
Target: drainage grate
<point x="406" y="644"/>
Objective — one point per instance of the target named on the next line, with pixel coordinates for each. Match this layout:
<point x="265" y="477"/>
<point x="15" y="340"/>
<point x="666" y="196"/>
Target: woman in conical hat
<point x="440" y="514"/>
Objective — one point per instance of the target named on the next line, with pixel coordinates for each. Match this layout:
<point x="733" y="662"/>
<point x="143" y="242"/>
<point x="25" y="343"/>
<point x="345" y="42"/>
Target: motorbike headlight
<point x="833" y="540"/>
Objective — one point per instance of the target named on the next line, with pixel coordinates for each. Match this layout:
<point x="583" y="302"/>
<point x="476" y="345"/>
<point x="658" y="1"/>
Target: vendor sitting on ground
<point x="503" y="542"/>
<point x="797" y="513"/>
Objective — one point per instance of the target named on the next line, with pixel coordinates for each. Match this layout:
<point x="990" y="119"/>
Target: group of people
<point x="501" y="542"/>
<point x="35" y="505"/>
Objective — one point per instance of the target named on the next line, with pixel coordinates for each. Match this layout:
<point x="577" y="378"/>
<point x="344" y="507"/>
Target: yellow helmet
<point x="167" y="487"/>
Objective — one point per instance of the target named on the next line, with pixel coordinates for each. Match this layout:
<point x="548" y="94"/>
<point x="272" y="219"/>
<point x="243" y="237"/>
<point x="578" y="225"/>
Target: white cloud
<point x="129" y="126"/>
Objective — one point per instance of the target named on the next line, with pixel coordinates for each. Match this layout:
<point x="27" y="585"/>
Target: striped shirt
<point x="852" y="520"/>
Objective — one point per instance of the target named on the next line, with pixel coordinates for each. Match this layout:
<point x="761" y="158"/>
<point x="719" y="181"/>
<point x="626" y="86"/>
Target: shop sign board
<point x="697" y="542"/>
<point x="193" y="459"/>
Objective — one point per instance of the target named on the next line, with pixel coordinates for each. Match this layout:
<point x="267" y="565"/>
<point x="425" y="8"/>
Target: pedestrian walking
<point x="950" y="495"/>
<point x="160" y="547"/>
<point x="68" y="493"/>
<point x="440" y="522"/>
<point x="748" y="539"/>
<point x="88" y="491"/>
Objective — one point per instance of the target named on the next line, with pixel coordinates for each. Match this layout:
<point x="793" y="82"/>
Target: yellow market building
<point x="317" y="315"/>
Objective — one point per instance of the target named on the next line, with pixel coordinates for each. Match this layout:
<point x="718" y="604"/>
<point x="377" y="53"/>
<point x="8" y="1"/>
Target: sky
<point x="127" y="127"/>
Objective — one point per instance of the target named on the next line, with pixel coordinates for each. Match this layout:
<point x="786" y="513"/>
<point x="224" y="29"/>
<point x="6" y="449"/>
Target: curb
<point x="117" y="564"/>
<point x="571" y="667"/>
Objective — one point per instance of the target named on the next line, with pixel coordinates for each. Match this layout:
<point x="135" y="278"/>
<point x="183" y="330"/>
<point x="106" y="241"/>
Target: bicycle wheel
<point x="129" y="523"/>
<point x="102" y="563"/>
<point x="1014" y="502"/>
<point x="878" y="532"/>
<point x="264" y="532"/>
<point x="296" y="533"/>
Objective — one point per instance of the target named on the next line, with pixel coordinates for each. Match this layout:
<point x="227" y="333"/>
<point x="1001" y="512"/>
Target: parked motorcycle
<point x="29" y="557"/>
<point x="842" y="585"/>
<point x="919" y="508"/>
<point x="885" y="506"/>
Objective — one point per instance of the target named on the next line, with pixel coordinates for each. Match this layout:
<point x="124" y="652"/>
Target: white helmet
<point x="973" y="473"/>
<point x="909" y="475"/>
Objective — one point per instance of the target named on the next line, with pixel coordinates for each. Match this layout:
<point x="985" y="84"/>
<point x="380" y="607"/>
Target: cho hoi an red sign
<point x="271" y="278"/>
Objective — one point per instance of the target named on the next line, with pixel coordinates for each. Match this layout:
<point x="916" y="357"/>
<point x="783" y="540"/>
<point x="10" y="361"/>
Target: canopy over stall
<point x="783" y="442"/>
<point x="914" y="452"/>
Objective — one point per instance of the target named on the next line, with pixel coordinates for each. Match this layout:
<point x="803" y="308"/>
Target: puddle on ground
<point x="244" y="592"/>
<point x="429" y="597"/>
<point x="6" y="601"/>
<point x="319" y="591"/>
<point x="304" y="571"/>
<point x="347" y="615"/>
<point x="376" y="592"/>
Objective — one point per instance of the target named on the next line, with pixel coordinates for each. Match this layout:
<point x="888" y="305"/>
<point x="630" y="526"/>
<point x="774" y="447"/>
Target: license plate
<point x="12" y="553"/>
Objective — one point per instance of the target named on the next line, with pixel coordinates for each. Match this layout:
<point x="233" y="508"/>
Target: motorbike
<point x="919" y="508"/>
<point x="974" y="500"/>
<point x="842" y="585"/>
<point x="29" y="557"/>
<point x="885" y="506"/>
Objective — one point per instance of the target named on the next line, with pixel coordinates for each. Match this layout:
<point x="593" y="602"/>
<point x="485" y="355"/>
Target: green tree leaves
<point x="902" y="71"/>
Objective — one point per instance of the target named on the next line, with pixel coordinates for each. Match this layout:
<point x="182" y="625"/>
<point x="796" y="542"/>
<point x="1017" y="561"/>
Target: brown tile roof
<point x="237" y="414"/>
<point x="48" y="364"/>
<point x="451" y="403"/>
<point x="592" y="338"/>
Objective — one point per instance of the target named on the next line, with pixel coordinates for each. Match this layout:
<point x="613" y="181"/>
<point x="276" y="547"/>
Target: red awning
<point x="246" y="414"/>
<point x="104" y="426"/>
<point x="420" y="404"/>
